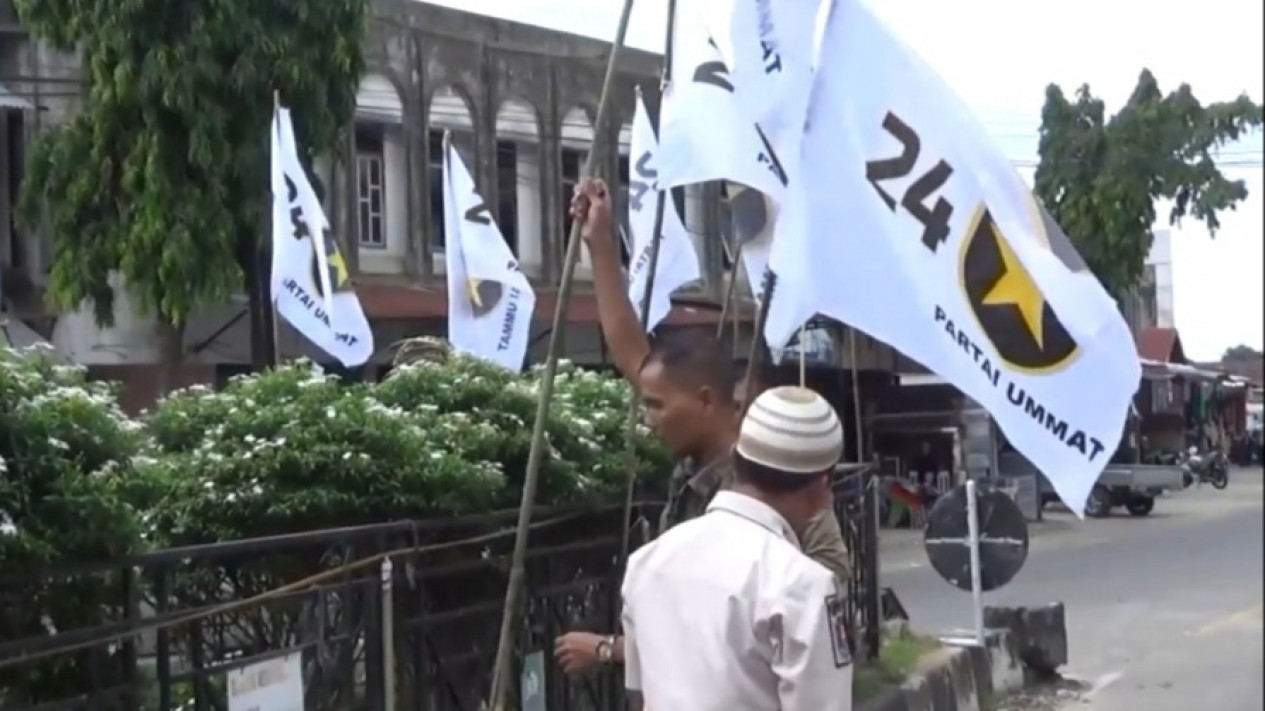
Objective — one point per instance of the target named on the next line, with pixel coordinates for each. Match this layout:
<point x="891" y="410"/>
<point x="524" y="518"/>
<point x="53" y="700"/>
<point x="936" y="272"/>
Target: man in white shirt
<point x="724" y="612"/>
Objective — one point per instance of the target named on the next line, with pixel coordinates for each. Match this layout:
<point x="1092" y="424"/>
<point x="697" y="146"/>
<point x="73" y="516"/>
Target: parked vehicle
<point x="1208" y="468"/>
<point x="1131" y="486"/>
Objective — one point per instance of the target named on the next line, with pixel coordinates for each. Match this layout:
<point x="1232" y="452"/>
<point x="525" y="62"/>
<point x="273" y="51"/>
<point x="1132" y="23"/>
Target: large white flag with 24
<point x="917" y="230"/>
<point x="678" y="262"/>
<point x="490" y="301"/>
<point x="311" y="287"/>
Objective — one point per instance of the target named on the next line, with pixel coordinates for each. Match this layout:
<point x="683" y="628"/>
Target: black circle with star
<point x="1000" y="316"/>
<point x="484" y="296"/>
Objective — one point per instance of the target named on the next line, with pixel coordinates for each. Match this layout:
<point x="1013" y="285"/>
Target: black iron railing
<point x="159" y="631"/>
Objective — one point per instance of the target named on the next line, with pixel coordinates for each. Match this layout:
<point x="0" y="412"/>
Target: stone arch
<point x="379" y="99"/>
<point x="576" y="131"/>
<point x="450" y="109"/>
<point x="517" y="120"/>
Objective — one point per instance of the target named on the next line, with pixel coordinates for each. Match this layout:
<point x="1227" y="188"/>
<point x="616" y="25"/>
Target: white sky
<point x="1000" y="54"/>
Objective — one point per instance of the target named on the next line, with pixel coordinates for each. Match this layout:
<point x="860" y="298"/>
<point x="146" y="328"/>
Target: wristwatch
<point x="606" y="649"/>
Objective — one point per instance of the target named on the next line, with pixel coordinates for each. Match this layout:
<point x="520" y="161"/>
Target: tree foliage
<point x="1241" y="352"/>
<point x="1101" y="176"/>
<point x="163" y="175"/>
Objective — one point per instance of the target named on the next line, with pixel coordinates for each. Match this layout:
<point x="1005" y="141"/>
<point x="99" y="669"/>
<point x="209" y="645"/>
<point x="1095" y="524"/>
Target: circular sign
<point x="1003" y="538"/>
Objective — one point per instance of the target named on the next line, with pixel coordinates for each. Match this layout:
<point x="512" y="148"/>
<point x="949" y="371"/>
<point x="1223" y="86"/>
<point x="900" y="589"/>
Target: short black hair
<point x="694" y="358"/>
<point x="770" y="480"/>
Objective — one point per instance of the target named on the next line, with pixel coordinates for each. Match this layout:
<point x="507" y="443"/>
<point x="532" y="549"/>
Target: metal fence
<point x="413" y="607"/>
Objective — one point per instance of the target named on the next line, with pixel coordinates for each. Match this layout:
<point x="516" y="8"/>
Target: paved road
<point x="1164" y="613"/>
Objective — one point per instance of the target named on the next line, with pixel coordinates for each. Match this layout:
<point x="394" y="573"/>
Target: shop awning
<point x="19" y="336"/>
<point x="10" y="100"/>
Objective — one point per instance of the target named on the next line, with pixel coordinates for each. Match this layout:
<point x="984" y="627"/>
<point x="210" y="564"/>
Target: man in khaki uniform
<point x="687" y="385"/>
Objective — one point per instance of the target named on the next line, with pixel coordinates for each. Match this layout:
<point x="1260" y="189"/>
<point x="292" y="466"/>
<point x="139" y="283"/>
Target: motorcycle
<point x="1211" y="468"/>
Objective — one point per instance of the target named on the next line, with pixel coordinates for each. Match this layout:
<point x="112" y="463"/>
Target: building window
<point x="572" y="160"/>
<point x="507" y="192"/>
<point x="621" y="212"/>
<point x="435" y="170"/>
<point x="14" y="165"/>
<point x="371" y="189"/>
<point x="1162" y="400"/>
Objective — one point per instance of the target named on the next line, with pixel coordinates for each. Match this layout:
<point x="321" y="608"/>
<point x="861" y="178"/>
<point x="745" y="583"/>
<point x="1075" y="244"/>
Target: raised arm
<point x="621" y="326"/>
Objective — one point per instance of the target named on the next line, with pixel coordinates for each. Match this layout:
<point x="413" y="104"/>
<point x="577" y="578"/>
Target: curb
<point x="1023" y="645"/>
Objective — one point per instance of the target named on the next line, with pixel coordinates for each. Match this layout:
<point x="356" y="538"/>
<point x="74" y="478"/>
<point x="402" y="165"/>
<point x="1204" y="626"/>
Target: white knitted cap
<point x="791" y="429"/>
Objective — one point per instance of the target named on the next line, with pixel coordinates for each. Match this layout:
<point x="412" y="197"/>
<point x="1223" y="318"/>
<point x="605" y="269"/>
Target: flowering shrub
<point x="65" y="466"/>
<point x="293" y="449"/>
<point x="487" y="414"/>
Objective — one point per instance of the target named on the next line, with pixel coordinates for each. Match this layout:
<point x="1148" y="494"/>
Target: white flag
<point x="678" y="262"/>
<point x="490" y="301"/>
<point x="741" y="126"/>
<point x="705" y="132"/>
<point x="768" y="47"/>
<point x="311" y="287"/>
<point x="918" y="231"/>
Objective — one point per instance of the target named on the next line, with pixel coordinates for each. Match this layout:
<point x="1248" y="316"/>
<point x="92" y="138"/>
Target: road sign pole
<point x="972" y="537"/>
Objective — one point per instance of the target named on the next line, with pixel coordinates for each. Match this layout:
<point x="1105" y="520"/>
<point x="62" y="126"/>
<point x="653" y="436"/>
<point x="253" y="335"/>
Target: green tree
<point x="163" y="175"/>
<point x="1101" y="177"/>
<point x="1241" y="352"/>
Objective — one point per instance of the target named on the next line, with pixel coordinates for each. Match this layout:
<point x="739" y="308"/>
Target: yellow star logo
<point x="1015" y="287"/>
<point x="338" y="270"/>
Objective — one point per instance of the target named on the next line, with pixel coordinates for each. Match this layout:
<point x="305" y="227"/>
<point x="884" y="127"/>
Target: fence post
<point x="162" y="596"/>
<point x="131" y="598"/>
<point x="388" y="638"/>
<point x="874" y="591"/>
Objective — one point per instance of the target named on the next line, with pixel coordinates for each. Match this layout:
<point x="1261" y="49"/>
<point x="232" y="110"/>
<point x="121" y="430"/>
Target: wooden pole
<point x="803" y="359"/>
<point x="656" y="238"/>
<point x="274" y="316"/>
<point x="731" y="292"/>
<point x="513" y="592"/>
<point x="755" y="353"/>
<point x="856" y="392"/>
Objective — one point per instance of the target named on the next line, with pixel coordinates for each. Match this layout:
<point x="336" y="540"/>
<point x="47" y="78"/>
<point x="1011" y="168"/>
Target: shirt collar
<point x="705" y="479"/>
<point x="755" y="511"/>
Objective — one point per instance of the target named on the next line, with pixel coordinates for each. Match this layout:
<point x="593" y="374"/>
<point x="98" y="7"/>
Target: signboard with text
<point x="272" y="685"/>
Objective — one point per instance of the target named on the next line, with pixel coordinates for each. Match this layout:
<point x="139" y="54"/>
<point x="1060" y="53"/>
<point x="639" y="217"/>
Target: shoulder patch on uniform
<point x="837" y="619"/>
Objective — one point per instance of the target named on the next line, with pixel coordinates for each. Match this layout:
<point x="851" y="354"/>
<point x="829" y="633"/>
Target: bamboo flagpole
<point x="274" y="315"/>
<point x="513" y="593"/>
<point x="856" y="392"/>
<point x="803" y="358"/>
<point x="755" y="354"/>
<point x="656" y="238"/>
<point x="731" y="292"/>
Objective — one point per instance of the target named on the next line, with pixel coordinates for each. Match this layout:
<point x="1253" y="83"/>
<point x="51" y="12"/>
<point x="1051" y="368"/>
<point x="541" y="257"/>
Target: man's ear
<point x="707" y="396"/>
